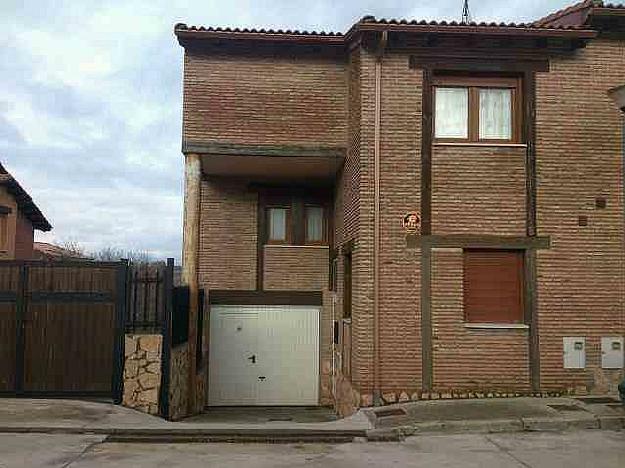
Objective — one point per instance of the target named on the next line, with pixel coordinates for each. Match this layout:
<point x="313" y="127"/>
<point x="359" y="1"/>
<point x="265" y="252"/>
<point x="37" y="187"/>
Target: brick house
<point x="408" y="210"/>
<point x="19" y="217"/>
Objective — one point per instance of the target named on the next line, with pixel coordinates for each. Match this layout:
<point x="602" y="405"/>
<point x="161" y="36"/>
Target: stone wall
<point x="179" y="382"/>
<point x="142" y="372"/>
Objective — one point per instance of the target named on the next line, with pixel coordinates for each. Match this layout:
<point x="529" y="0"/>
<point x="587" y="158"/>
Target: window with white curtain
<point x="314" y="224"/>
<point x="476" y="108"/>
<point x="277" y="224"/>
<point x="495" y="114"/>
<point x="451" y="113"/>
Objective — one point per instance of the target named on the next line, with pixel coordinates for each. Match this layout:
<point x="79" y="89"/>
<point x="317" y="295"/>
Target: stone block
<point x="131" y="369"/>
<point x="366" y="400"/>
<point x="148" y="396"/>
<point x="130" y="345"/>
<point x="153" y="368"/>
<point x="403" y="396"/>
<point x="148" y="381"/>
<point x="390" y="397"/>
<point x="151" y="343"/>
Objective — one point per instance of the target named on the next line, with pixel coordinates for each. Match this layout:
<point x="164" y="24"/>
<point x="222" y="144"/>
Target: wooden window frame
<point x="324" y="224"/>
<point x="474" y="84"/>
<point x="288" y="229"/>
<point x="515" y="319"/>
<point x="4" y="232"/>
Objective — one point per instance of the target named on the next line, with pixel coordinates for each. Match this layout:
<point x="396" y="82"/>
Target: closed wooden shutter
<point x="493" y="286"/>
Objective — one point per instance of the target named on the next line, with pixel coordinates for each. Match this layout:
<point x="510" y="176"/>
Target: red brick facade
<point x="291" y="99"/>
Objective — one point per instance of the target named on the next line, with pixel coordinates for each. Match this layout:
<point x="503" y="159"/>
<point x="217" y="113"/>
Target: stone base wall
<point x="142" y="372"/>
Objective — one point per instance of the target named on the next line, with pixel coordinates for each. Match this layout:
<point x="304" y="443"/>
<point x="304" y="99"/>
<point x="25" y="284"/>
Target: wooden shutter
<point x="493" y="286"/>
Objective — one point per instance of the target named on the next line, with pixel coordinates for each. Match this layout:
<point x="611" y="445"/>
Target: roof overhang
<point x="190" y="34"/>
<point x="268" y="163"/>
<point x="25" y="203"/>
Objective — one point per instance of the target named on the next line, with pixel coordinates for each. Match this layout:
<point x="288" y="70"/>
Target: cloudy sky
<point x="90" y="101"/>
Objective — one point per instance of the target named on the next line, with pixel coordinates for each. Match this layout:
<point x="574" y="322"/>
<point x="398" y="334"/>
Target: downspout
<point x="618" y="97"/>
<point x="376" y="219"/>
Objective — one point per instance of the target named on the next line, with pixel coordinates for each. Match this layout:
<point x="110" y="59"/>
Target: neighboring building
<point x="19" y="217"/>
<point x="55" y="253"/>
<point x="407" y="209"/>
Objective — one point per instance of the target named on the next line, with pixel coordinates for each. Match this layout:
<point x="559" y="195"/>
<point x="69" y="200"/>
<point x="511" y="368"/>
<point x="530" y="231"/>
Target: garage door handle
<point x="262" y="377"/>
<point x="252" y="358"/>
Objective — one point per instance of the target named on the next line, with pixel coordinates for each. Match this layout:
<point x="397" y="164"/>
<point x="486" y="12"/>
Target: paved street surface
<point x="596" y="449"/>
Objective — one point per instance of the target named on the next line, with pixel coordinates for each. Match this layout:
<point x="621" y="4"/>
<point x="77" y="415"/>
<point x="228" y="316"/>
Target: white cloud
<point x="90" y="92"/>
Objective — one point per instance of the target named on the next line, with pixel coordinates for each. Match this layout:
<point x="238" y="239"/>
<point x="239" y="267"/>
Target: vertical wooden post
<point x="121" y="277"/>
<point x="190" y="245"/>
<point x="21" y="307"/>
<point x="168" y="289"/>
<point x="427" y="353"/>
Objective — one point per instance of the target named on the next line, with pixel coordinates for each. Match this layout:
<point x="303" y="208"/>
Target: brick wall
<point x="296" y="268"/>
<point x="478" y="190"/>
<point x="466" y="358"/>
<point x="24" y="238"/>
<point x="580" y="279"/>
<point x="270" y="98"/>
<point x="400" y="268"/>
<point x="227" y="251"/>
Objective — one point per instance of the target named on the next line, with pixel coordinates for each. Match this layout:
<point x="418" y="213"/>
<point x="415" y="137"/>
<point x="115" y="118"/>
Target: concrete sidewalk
<point x="384" y="423"/>
<point x="50" y="416"/>
<point x="494" y="415"/>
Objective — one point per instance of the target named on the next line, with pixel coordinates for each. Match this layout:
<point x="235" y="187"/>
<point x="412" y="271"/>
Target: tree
<point x="115" y="254"/>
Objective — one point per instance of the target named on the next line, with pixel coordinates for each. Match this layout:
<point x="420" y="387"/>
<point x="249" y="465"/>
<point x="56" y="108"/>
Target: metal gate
<point x="62" y="328"/>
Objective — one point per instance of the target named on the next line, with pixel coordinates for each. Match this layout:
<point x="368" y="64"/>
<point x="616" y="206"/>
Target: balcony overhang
<point x="268" y="162"/>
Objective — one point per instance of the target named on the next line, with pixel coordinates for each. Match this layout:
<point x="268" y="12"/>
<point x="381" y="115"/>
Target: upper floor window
<point x="472" y="109"/>
<point x="277" y="221"/>
<point x="315" y="224"/>
<point x="296" y="220"/>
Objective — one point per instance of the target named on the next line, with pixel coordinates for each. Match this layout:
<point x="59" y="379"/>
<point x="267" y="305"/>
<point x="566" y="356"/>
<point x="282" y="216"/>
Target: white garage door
<point x="264" y="355"/>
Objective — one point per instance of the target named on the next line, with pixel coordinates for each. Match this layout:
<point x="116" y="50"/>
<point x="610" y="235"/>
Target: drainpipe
<point x="618" y="96"/>
<point x="376" y="219"/>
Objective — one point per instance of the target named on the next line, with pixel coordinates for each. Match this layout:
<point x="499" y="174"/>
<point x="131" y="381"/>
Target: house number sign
<point x="412" y="223"/>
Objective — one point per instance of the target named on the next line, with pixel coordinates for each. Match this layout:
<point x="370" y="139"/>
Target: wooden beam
<point x="462" y="241"/>
<point x="427" y="367"/>
<point x="289" y="151"/>
<point x="190" y="247"/>
<point x="458" y="63"/>
<point x="236" y="297"/>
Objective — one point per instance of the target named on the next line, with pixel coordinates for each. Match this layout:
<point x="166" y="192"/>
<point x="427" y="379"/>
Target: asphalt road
<point x="596" y="449"/>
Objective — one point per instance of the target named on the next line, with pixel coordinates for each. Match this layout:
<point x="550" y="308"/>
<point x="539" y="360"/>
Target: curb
<point x="181" y="435"/>
<point x="399" y="433"/>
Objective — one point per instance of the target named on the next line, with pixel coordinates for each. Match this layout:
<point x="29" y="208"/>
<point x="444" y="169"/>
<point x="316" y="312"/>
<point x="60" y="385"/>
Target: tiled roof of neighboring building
<point x="577" y="15"/>
<point x="557" y="16"/>
<point x="45" y="251"/>
<point x="24" y="201"/>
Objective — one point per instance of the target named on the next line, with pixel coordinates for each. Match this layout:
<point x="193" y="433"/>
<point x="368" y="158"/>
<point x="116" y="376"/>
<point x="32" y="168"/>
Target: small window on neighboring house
<point x="277" y="220"/>
<point x="473" y="109"/>
<point x="4" y="232"/>
<point x="4" y="227"/>
<point x="314" y="225"/>
<point x="493" y="286"/>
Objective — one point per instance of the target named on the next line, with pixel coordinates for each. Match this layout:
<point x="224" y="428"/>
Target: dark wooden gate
<point x="61" y="328"/>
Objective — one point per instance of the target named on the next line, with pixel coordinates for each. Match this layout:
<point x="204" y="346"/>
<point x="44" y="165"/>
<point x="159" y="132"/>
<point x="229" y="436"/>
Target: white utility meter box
<point x="574" y="352"/>
<point x="612" y="352"/>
